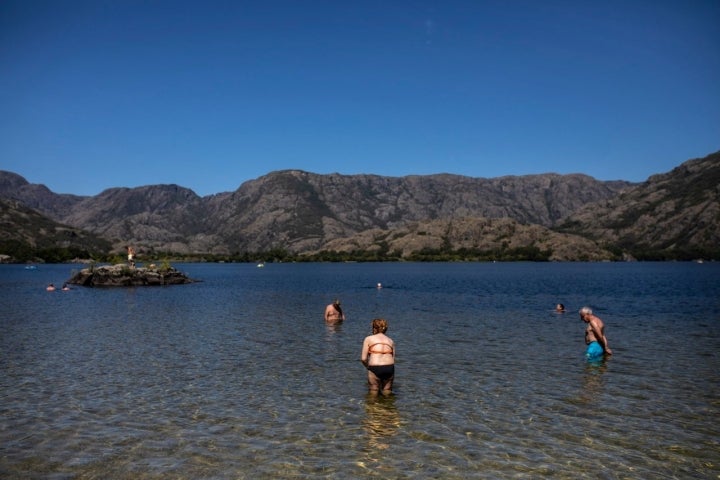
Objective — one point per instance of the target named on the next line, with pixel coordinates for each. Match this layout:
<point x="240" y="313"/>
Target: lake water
<point x="238" y="376"/>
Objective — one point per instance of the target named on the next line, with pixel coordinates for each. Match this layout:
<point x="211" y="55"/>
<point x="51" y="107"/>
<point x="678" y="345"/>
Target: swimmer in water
<point x="334" y="313"/>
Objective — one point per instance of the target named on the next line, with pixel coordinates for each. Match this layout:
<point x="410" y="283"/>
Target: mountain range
<point x="672" y="215"/>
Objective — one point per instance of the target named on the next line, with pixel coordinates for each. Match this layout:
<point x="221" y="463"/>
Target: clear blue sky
<point x="208" y="94"/>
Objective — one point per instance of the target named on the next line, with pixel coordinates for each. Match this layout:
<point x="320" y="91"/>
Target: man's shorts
<point x="594" y="350"/>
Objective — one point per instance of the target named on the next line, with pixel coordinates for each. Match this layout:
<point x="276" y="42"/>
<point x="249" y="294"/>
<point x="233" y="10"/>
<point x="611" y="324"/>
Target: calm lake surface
<point x="239" y="377"/>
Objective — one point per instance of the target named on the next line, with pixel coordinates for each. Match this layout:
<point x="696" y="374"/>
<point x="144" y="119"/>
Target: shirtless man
<point x="594" y="334"/>
<point x="334" y="313"/>
<point x="378" y="356"/>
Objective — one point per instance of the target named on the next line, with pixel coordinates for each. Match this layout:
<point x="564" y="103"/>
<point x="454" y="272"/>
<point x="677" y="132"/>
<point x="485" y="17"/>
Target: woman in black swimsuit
<point x="378" y="356"/>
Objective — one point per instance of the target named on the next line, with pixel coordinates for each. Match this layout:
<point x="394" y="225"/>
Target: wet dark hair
<point x="337" y="306"/>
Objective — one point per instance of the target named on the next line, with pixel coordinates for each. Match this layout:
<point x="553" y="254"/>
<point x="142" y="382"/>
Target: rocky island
<point x="122" y="275"/>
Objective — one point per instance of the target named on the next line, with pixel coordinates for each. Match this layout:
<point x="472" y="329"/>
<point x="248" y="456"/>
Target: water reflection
<point x="593" y="381"/>
<point x="332" y="329"/>
<point x="382" y="420"/>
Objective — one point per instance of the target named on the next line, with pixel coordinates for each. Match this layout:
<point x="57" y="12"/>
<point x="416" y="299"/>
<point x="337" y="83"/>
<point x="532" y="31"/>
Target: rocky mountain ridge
<point x="24" y="231"/>
<point x="677" y="210"/>
<point x="303" y="212"/>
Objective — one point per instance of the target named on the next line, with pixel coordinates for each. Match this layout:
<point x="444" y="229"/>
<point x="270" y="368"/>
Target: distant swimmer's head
<point x="379" y="325"/>
<point x="379" y="285"/>
<point x="559" y="307"/>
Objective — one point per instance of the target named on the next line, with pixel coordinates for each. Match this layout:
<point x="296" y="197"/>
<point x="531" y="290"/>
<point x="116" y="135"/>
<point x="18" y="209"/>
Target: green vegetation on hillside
<point x="22" y="252"/>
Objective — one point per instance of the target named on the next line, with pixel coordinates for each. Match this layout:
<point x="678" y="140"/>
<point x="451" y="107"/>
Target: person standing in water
<point x="595" y="338"/>
<point x="334" y="313"/>
<point x="131" y="256"/>
<point x="378" y="356"/>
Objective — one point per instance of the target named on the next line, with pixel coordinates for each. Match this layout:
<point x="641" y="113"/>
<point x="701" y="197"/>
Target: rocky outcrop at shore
<point x="122" y="275"/>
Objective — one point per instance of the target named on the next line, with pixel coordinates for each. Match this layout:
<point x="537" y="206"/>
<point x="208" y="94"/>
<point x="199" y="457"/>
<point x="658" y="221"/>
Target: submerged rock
<point x="122" y="275"/>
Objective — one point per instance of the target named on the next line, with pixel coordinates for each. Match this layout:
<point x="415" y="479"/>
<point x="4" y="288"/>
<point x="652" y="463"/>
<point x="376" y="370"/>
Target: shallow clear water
<point x="238" y="376"/>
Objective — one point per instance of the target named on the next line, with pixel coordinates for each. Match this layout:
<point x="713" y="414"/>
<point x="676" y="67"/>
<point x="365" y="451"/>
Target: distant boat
<point x="261" y="264"/>
<point x="30" y="267"/>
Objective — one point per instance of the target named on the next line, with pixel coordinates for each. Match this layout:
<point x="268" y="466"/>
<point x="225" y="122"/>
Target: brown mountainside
<point x="303" y="212"/>
<point x="477" y="237"/>
<point x="300" y="211"/>
<point x="678" y="211"/>
<point x="22" y="228"/>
